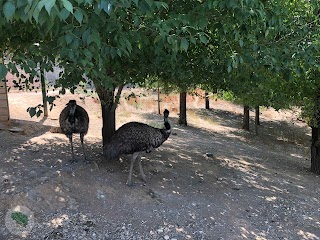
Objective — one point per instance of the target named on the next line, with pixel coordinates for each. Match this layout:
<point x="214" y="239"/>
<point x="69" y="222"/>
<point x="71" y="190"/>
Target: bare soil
<point x="209" y="180"/>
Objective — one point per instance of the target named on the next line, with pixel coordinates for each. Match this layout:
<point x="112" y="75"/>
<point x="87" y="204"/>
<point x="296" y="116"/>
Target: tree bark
<point x="257" y="119"/>
<point x="246" y="118"/>
<point x="109" y="102"/>
<point x="315" y="146"/>
<point x="159" y="110"/>
<point x="315" y="149"/>
<point x="108" y="114"/>
<point x="183" y="109"/>
<point x="207" y="100"/>
<point x="44" y="93"/>
<point x="257" y="115"/>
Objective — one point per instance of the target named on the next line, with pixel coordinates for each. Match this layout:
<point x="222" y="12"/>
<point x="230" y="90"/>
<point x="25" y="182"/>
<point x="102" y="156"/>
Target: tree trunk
<point x="315" y="150"/>
<point x="257" y="119"/>
<point x="207" y="100"/>
<point x="257" y="115"/>
<point x="315" y="146"/>
<point x="109" y="103"/>
<point x="159" y="110"/>
<point x="44" y="93"/>
<point x="183" y="109"/>
<point x="108" y="114"/>
<point x="245" y="125"/>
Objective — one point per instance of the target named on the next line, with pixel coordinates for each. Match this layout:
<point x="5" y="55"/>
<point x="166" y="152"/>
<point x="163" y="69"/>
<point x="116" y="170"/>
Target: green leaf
<point x="79" y="15"/>
<point x="49" y="4"/>
<point x="3" y="71"/>
<point x="241" y="43"/>
<point x="203" y="39"/>
<point x="69" y="38"/>
<point x="32" y="111"/>
<point x="184" y="44"/>
<point x="39" y="113"/>
<point x="64" y="14"/>
<point x="67" y="5"/>
<point x="157" y="38"/>
<point x="8" y="9"/>
<point x="229" y="68"/>
<point x="41" y="4"/>
<point x="136" y="2"/>
<point x="266" y="33"/>
<point x="21" y="3"/>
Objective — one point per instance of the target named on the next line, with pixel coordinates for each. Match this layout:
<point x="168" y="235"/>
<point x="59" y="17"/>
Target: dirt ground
<point x="209" y="180"/>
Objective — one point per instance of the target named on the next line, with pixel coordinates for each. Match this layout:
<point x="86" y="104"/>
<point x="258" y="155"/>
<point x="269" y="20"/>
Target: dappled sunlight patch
<point x="307" y="235"/>
<point x="271" y="199"/>
<point x="246" y="234"/>
<point x="297" y="155"/>
<point x="241" y="165"/>
<point x="59" y="221"/>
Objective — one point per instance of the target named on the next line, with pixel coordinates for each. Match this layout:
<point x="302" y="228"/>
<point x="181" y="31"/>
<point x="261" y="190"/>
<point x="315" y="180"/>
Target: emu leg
<point x="143" y="176"/>
<point x="70" y="139"/>
<point x="133" y="159"/>
<point x="83" y="149"/>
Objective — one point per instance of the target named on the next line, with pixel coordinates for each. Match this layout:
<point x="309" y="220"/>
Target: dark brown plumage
<point x="74" y="119"/>
<point x="133" y="138"/>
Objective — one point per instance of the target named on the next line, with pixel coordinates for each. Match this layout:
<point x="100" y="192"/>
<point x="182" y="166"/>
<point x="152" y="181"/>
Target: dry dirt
<point x="209" y="180"/>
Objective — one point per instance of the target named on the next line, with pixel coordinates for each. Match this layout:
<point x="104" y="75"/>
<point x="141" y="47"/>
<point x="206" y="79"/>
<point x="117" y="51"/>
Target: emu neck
<point x="72" y="109"/>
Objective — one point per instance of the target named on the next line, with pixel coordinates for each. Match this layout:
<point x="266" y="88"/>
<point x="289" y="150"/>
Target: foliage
<point x="20" y="218"/>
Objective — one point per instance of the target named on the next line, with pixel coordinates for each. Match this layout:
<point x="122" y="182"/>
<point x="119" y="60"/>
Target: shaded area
<point x="253" y="187"/>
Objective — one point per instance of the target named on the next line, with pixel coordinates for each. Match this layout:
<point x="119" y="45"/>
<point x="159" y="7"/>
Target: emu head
<point x="166" y="123"/>
<point x="165" y="115"/>
<point x="72" y="104"/>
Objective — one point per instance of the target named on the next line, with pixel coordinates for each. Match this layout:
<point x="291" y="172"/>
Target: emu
<point x="135" y="137"/>
<point x="74" y="119"/>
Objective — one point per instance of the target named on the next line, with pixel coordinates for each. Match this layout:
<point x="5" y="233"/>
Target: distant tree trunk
<point x="257" y="119"/>
<point x="315" y="144"/>
<point x="257" y="113"/>
<point x="183" y="108"/>
<point x="246" y="118"/>
<point x="44" y="93"/>
<point x="207" y="100"/>
<point x="159" y="110"/>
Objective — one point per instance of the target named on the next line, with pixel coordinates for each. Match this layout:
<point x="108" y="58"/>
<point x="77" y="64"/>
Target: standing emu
<point x="133" y="138"/>
<point x="74" y="119"/>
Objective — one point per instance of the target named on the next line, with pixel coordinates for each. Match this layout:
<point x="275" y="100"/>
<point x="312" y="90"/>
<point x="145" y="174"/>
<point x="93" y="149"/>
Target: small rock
<point x="101" y="195"/>
<point x="166" y="237"/>
<point x="43" y="179"/>
<point x="210" y="155"/>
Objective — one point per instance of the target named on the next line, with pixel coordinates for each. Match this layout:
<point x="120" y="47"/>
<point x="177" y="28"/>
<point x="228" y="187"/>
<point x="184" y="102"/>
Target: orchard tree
<point x="110" y="42"/>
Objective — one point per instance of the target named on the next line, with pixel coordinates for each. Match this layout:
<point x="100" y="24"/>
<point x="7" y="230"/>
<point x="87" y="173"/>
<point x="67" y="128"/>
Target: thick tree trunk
<point x="315" y="150"/>
<point x="109" y="103"/>
<point x="207" y="100"/>
<point x="246" y="118"/>
<point x="183" y="109"/>
<point x="315" y="144"/>
<point x="108" y="114"/>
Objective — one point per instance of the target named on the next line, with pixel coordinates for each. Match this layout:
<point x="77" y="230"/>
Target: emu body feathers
<point x="74" y="119"/>
<point x="133" y="138"/>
